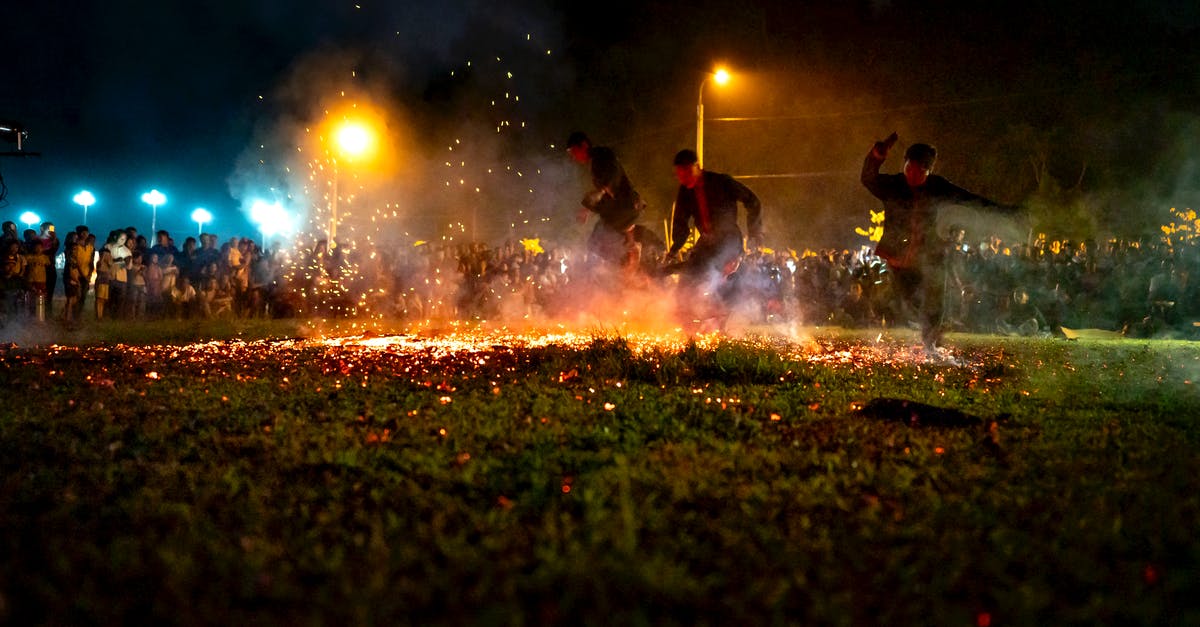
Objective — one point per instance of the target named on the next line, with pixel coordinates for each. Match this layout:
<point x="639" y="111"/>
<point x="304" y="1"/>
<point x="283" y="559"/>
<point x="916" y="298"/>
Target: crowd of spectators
<point x="126" y="277"/>
<point x="1141" y="288"/>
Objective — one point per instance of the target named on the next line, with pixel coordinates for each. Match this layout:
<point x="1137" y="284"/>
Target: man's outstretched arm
<point x="873" y="161"/>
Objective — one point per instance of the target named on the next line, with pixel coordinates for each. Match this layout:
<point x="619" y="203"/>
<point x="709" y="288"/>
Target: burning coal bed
<point x="488" y="362"/>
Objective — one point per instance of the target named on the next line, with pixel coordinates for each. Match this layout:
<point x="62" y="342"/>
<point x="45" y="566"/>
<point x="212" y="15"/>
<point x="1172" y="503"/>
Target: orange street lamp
<point x="720" y="77"/>
<point x="353" y="139"/>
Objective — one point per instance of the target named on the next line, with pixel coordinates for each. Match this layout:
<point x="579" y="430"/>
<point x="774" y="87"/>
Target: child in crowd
<point x="37" y="262"/>
<point x="12" y="277"/>
<point x="104" y="270"/>
<point x="71" y="277"/>
<point x="137" y="286"/>
<point x="154" y="274"/>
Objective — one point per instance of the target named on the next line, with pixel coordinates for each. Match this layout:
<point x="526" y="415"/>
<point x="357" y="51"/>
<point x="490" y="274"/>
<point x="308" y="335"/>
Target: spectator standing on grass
<point x="50" y="244"/>
<point x="71" y="277"/>
<point x="104" y="270"/>
<point x="186" y="259"/>
<point x="260" y="278"/>
<point x="137" y="287"/>
<point x="37" y="268"/>
<point x="170" y="276"/>
<point x="154" y="285"/>
<point x="118" y="275"/>
<point x="85" y="261"/>
<point x="910" y="243"/>
<point x="12" y="275"/>
<point x="206" y="258"/>
<point x="239" y="259"/>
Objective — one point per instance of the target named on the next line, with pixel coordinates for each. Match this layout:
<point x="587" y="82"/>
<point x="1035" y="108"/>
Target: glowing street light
<point x="30" y="218"/>
<point x="154" y="198"/>
<point x="271" y="219"/>
<point x="84" y="199"/>
<point x="354" y="139"/>
<point x="202" y="216"/>
<point x="721" y="77"/>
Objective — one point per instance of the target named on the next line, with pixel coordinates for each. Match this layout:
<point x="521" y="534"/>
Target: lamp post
<point x="271" y="218"/>
<point x="30" y="218"/>
<point x="154" y="198"/>
<point x="353" y="139"/>
<point x="202" y="216"/>
<point x="331" y="230"/>
<point x="720" y="77"/>
<point x="84" y="199"/>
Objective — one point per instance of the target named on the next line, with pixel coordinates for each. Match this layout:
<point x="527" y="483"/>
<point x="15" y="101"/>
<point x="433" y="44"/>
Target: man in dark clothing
<point x="163" y="246"/>
<point x="206" y="256"/>
<point x="910" y="243"/>
<point x="187" y="261"/>
<point x="708" y="201"/>
<point x="612" y="198"/>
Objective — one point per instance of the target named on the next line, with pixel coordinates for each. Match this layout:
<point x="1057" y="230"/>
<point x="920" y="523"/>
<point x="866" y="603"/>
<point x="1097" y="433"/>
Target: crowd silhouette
<point x="1141" y="288"/>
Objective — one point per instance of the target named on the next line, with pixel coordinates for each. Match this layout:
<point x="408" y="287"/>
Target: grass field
<point x="490" y="479"/>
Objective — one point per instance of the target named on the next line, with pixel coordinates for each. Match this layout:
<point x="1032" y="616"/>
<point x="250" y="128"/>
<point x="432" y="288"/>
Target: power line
<point x="934" y="105"/>
<point x="850" y="114"/>
<point x="795" y="175"/>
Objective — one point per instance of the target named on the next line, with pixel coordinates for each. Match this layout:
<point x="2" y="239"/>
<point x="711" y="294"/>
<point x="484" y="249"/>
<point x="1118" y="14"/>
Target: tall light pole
<point x="154" y="198"/>
<point x="352" y="139"/>
<point x="720" y="77"/>
<point x="84" y="199"/>
<point x="202" y="216"/>
<point x="331" y="230"/>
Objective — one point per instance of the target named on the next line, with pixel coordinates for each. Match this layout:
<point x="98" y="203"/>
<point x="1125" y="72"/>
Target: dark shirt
<point x="613" y="199"/>
<point x="163" y="251"/>
<point x="186" y="264"/>
<point x="910" y="214"/>
<point x="722" y="193"/>
<point x="204" y="258"/>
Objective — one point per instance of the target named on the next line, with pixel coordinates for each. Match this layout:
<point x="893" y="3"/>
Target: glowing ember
<point x="474" y="348"/>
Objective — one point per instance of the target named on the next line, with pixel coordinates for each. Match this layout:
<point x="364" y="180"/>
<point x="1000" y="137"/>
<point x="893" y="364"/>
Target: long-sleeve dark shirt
<point x="613" y="199"/>
<point x="162" y="251"/>
<point x="910" y="214"/>
<point x="723" y="193"/>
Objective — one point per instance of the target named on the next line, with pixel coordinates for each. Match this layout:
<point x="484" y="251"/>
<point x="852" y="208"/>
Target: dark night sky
<point x="121" y="96"/>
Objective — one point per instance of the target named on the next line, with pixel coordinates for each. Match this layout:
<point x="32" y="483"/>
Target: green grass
<point x="727" y="483"/>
